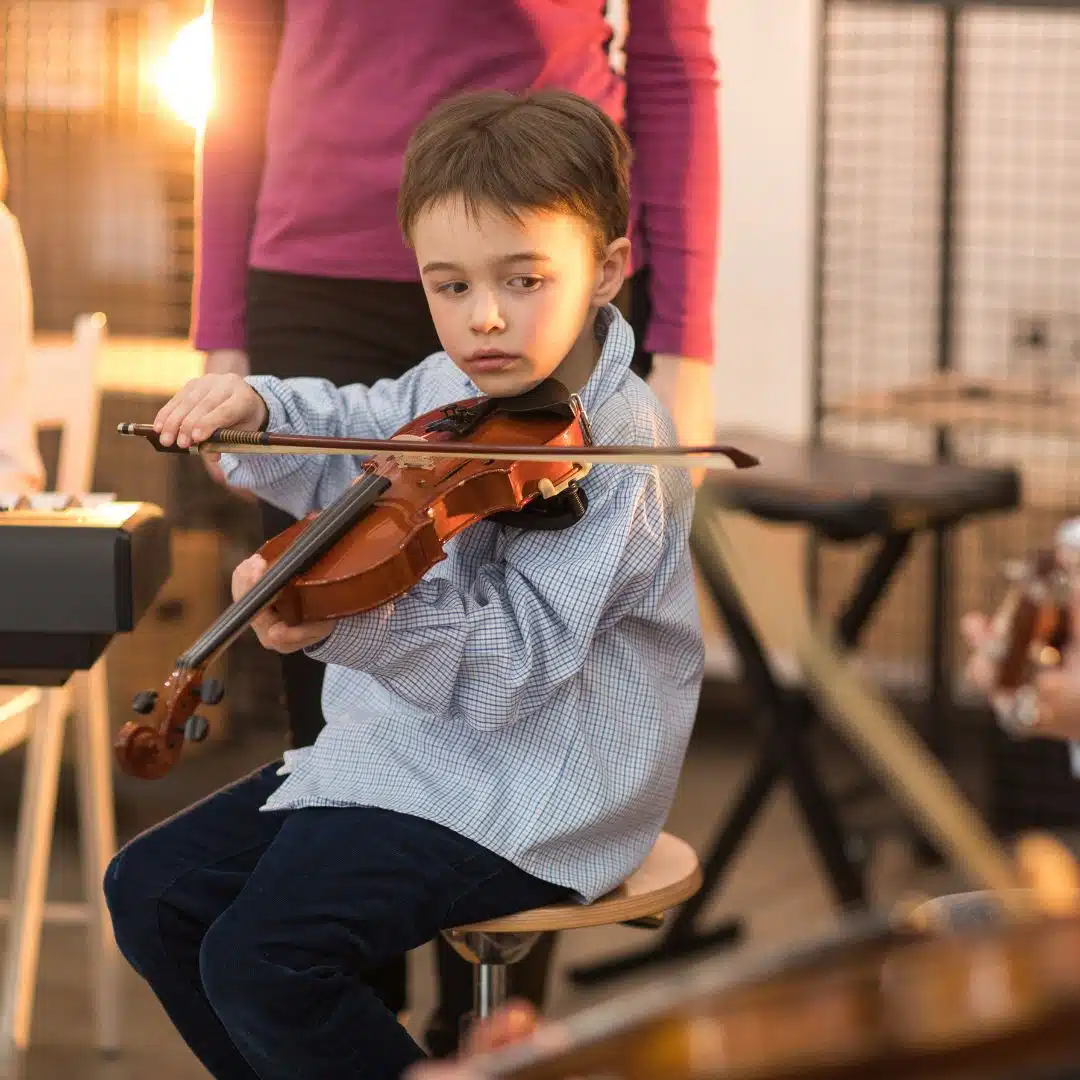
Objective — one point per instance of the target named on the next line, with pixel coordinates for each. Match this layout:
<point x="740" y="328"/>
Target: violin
<point x="875" y="999"/>
<point x="512" y="460"/>
<point x="1030" y="631"/>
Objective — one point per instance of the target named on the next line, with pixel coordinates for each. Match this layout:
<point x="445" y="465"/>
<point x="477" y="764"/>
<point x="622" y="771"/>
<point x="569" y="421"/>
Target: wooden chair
<point x="669" y="875"/>
<point x="64" y="393"/>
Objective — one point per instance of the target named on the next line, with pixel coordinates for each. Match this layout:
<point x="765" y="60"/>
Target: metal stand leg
<point x="490" y="955"/>
<point x="97" y="836"/>
<point x="489" y="988"/>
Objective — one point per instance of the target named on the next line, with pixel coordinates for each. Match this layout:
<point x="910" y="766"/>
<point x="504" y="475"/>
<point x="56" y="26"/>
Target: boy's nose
<point x="486" y="317"/>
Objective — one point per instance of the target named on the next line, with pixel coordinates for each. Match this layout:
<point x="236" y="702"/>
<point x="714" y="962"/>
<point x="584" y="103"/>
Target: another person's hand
<point x="227" y="362"/>
<point x="515" y="1021"/>
<point x="1057" y="690"/>
<point x="269" y="628"/>
<point x="202" y="405"/>
<point x="685" y="388"/>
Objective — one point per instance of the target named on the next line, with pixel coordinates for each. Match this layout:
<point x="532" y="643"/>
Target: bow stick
<point x="231" y="441"/>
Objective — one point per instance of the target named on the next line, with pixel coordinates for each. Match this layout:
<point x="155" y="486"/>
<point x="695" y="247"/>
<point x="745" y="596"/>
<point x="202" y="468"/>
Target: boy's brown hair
<point x="544" y="150"/>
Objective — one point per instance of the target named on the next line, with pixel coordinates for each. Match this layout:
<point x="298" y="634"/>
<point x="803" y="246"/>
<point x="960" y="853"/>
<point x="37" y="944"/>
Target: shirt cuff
<point x="229" y="334"/>
<point x="356" y="640"/>
<point x="680" y="339"/>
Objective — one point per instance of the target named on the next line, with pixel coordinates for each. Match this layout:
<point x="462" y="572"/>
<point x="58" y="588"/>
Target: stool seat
<point x="669" y="875"/>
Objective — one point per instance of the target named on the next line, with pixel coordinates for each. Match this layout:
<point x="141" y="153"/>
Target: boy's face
<point x="514" y="302"/>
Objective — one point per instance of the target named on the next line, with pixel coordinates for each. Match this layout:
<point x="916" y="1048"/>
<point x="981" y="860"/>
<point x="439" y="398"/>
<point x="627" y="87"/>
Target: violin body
<point x="373" y="543"/>
<point x="987" y="1002"/>
<point x="427" y="503"/>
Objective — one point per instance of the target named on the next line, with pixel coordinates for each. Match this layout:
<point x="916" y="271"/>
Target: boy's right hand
<point x="205" y="404"/>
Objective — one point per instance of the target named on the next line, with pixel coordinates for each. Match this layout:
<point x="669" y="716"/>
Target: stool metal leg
<point x="489" y="988"/>
<point x="490" y="955"/>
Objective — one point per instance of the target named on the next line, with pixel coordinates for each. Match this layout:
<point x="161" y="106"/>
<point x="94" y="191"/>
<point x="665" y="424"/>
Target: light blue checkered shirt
<point x="536" y="690"/>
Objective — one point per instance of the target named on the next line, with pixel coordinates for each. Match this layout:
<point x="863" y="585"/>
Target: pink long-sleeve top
<point x="301" y="157"/>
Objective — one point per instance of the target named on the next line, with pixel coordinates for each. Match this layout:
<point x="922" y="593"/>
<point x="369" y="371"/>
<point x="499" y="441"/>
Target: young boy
<point x="507" y="734"/>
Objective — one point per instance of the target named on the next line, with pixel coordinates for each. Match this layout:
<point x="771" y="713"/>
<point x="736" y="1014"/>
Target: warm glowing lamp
<point x="185" y="77"/>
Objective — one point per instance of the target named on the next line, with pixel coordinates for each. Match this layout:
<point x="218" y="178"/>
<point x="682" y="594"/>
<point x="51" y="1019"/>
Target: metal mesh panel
<point x="1006" y="306"/>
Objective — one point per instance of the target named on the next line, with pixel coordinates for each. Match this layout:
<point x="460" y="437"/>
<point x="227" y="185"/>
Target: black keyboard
<point x="73" y="573"/>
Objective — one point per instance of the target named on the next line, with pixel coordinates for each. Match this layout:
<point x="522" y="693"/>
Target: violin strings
<point x="339" y="515"/>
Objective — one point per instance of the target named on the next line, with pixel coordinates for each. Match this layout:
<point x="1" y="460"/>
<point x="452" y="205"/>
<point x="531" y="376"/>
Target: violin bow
<point x="232" y="441"/>
<point x="867" y="720"/>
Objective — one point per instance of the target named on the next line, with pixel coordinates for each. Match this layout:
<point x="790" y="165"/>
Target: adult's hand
<point x="515" y="1021"/>
<point x="684" y="386"/>
<point x="1057" y="690"/>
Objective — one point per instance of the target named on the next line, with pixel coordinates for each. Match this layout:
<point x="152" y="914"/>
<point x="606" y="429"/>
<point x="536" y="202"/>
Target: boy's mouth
<point x="489" y="360"/>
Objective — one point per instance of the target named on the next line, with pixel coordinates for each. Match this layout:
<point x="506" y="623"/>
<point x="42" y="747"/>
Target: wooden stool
<point x="669" y="875"/>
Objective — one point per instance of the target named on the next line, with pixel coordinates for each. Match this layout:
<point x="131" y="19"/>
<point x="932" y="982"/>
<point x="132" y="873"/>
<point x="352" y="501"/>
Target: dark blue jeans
<point x="253" y="929"/>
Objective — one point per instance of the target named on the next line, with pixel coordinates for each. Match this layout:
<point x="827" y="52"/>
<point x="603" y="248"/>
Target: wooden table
<point x="953" y="401"/>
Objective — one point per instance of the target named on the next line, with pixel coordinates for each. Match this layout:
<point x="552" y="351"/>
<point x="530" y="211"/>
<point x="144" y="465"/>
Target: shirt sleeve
<point x="230" y="162"/>
<point x="672" y="120"/>
<point x="300" y="483"/>
<point x="494" y="653"/>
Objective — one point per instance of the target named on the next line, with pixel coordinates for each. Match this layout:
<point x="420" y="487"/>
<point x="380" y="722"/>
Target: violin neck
<point x="321" y="535"/>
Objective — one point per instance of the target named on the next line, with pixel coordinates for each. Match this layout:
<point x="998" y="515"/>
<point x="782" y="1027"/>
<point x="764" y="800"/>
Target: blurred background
<point x="901" y="223"/>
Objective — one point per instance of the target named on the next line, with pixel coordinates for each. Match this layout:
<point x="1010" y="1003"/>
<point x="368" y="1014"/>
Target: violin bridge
<point x="410" y="460"/>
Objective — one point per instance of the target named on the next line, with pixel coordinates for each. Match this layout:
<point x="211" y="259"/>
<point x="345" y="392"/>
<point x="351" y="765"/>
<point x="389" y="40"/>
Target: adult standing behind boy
<point x="21" y="469"/>
<point x="302" y="270"/>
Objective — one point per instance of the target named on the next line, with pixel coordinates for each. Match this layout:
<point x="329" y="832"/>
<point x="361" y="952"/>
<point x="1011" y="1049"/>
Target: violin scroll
<point x="149" y="748"/>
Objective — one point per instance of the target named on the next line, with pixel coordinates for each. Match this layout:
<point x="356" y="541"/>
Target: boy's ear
<point x="612" y="271"/>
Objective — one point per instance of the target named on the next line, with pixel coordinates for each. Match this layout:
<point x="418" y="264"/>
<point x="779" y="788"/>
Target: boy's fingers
<point x="210" y="402"/>
<point x="219" y="414"/>
<point x="172" y="413"/>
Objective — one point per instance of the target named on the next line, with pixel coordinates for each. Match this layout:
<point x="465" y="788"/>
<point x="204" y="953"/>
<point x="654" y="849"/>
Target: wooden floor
<point x="775" y="886"/>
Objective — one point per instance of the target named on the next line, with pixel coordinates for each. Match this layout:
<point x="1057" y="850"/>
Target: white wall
<point x="767" y="52"/>
<point x="768" y="64"/>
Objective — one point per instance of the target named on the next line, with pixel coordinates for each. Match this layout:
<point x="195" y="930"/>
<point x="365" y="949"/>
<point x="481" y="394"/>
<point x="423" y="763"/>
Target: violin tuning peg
<point x="144" y="702"/>
<point x="196" y="728"/>
<point x="211" y="692"/>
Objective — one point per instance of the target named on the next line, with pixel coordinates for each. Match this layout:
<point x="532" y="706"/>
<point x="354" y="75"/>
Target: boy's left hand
<point x="271" y="631"/>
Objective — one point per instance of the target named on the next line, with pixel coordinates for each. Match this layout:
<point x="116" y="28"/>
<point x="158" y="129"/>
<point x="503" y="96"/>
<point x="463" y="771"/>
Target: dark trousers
<point x="360" y="331"/>
<point x="254" y="929"/>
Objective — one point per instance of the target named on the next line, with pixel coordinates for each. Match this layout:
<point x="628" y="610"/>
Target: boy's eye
<point x="526" y="281"/>
<point x="454" y="288"/>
